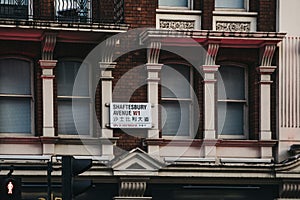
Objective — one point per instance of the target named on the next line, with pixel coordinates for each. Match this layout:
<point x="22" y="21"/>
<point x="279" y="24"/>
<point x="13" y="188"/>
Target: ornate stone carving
<point x="177" y="24"/>
<point x="153" y="52"/>
<point x="132" y="188"/>
<point x="211" y="54"/>
<point x="290" y="190"/>
<point x="268" y="54"/>
<point x="48" y="45"/>
<point x="233" y="26"/>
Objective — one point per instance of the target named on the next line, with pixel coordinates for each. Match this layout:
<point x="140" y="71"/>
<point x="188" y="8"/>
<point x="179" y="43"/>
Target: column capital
<point x="208" y="72"/>
<point x="266" y="70"/>
<point x="210" y="68"/>
<point x="47" y="67"/>
<point x="153" y="71"/>
<point x="107" y="65"/>
<point x="153" y="67"/>
<point x="106" y="69"/>
<point x="47" y="64"/>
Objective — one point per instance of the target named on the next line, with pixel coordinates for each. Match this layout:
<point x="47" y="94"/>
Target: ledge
<point x="55" y="140"/>
<point x="234" y="13"/>
<point x="216" y="142"/>
<point x="204" y="37"/>
<point x="185" y="12"/>
<point x="70" y="26"/>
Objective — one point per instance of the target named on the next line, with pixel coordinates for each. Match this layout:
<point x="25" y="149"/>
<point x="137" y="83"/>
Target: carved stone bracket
<point x="267" y="56"/>
<point x="48" y="45"/>
<point x="211" y="54"/>
<point x="108" y="53"/>
<point x="290" y="190"/>
<point x="153" y="52"/>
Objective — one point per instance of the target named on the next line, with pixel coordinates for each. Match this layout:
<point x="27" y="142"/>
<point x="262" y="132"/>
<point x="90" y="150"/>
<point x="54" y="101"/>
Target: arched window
<point x="176" y="100"/>
<point x="232" y="102"/>
<point x="66" y="72"/>
<point x="16" y="99"/>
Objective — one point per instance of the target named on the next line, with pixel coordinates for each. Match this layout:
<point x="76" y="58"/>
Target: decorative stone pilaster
<point x="132" y="190"/>
<point x="265" y="132"/>
<point x="153" y="69"/>
<point x="209" y="71"/>
<point x="265" y="71"/>
<point x="47" y="65"/>
<point x="265" y="101"/>
<point x="152" y="84"/>
<point x="106" y="98"/>
<point x="48" y="113"/>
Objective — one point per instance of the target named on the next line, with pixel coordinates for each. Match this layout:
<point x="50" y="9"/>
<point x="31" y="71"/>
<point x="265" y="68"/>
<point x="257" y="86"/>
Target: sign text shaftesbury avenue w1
<point x="130" y="115"/>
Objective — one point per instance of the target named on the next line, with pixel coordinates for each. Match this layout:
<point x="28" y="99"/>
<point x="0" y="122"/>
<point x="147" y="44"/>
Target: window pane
<point x="230" y="4"/>
<point x="173" y="3"/>
<point x="66" y="124"/>
<point x="14" y="2"/>
<point x="66" y="75"/>
<point x="234" y="83"/>
<point x="15" y="115"/>
<point x="175" y="119"/>
<point x="234" y="118"/>
<point x="15" y="77"/>
<point x="175" y="81"/>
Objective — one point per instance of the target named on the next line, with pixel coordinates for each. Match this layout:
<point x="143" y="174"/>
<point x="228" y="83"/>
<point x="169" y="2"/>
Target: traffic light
<point x="72" y="167"/>
<point x="10" y="189"/>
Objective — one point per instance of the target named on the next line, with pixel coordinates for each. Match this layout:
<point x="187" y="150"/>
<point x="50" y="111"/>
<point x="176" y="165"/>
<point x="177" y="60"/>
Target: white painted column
<point x="153" y="78"/>
<point x="209" y="100"/>
<point x="265" y="132"/>
<point x="209" y="134"/>
<point x="265" y="101"/>
<point x="152" y="84"/>
<point x="106" y="98"/>
<point x="47" y="76"/>
<point x="265" y="70"/>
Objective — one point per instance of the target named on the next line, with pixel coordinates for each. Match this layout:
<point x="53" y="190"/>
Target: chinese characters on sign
<point x="130" y="115"/>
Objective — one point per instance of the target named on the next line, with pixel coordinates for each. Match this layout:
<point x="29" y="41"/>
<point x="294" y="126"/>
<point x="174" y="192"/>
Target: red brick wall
<point x="140" y="13"/>
<point x="207" y="8"/>
<point x="266" y="15"/>
<point x="44" y="9"/>
<point x="129" y="85"/>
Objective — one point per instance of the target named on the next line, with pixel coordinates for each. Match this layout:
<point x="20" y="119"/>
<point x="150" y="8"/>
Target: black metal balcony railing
<point x="84" y="11"/>
<point x="73" y="10"/>
<point x="17" y="9"/>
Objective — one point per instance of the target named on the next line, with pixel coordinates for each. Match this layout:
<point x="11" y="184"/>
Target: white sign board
<point x="130" y="115"/>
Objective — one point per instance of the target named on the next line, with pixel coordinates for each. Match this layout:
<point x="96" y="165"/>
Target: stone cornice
<point x="223" y="38"/>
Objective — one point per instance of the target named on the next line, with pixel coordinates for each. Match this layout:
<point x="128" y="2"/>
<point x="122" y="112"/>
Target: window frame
<point x="245" y="9"/>
<point x="21" y="96"/>
<point x="70" y="98"/>
<point x="245" y="103"/>
<point x="189" y="100"/>
<point x="189" y="7"/>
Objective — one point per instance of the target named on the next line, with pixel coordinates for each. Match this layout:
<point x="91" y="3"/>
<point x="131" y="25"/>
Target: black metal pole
<point x="49" y="188"/>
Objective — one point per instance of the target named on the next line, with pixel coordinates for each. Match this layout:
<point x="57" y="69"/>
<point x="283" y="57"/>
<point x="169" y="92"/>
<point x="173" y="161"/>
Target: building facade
<point x="185" y="99"/>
